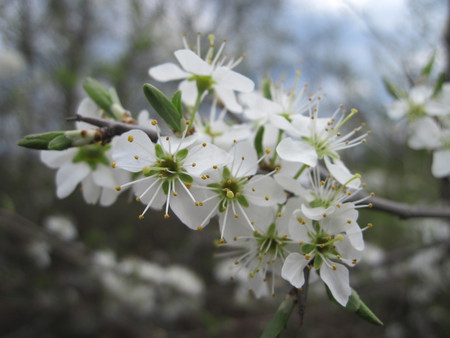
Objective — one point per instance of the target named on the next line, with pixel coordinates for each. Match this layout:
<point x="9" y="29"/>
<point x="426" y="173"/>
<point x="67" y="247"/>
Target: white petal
<point x="258" y="285"/>
<point x="192" y="63"/>
<point x="229" y="79"/>
<point x="281" y="123"/>
<point x="292" y="185"/>
<point x="398" y="109"/>
<point x="441" y="163"/>
<point x="204" y="157"/>
<point x="55" y="159"/>
<point x="287" y="215"/>
<point x="189" y="92"/>
<point x="135" y="155"/>
<point x="264" y="191"/>
<point x="91" y="191"/>
<point x="228" y="98"/>
<point x="420" y="94"/>
<point x="337" y="281"/>
<point x="160" y="198"/>
<point x="296" y="151"/>
<point x="341" y="220"/>
<point x="245" y="160"/>
<point x="108" y="197"/>
<point x="424" y="134"/>
<point x="340" y="172"/>
<point x="87" y="108"/>
<point x="347" y="251"/>
<point x="299" y="227"/>
<point x="355" y="236"/>
<point x="316" y="213"/>
<point x="103" y="177"/>
<point x="68" y="177"/>
<point x="292" y="270"/>
<point x="167" y="72"/>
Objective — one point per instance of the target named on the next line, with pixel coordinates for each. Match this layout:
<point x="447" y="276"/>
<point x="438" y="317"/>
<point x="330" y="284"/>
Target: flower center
<point x="93" y="155"/>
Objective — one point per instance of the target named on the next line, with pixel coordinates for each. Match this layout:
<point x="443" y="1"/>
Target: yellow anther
<point x="242" y="158"/>
<point x="253" y="189"/>
<point x="369" y="225"/>
<point x="141" y="217"/>
<point x="238" y="194"/>
<point x="372" y="194"/>
<point x="354" y="261"/>
<point x="154" y="122"/>
<point x="229" y="181"/>
<point x="175" y="193"/>
<point x="214" y="167"/>
<point x="197" y="204"/>
<point x="284" y="236"/>
<point x="334" y="267"/>
<point x="138" y="199"/>
<point x="322" y="182"/>
<point x="221" y="241"/>
<point x="235" y="239"/>
<point x="113" y="165"/>
<point x="204" y="177"/>
<point x="166" y="216"/>
<point x="308" y="257"/>
<point x="167" y="138"/>
<point x="349" y="221"/>
<point x="364" y="140"/>
<point x="266" y="198"/>
<point x="118" y="188"/>
<point x="130" y="138"/>
<point x="338" y="205"/>
<point x="339" y="134"/>
<point x="324" y="215"/>
<point x="234" y="141"/>
<point x="136" y="157"/>
<point x="199" y="228"/>
<point x="301" y="242"/>
<point x="204" y="144"/>
<point x="253" y="223"/>
<point x="188" y="122"/>
<point x="200" y="204"/>
<point x="194" y="164"/>
<point x="370" y="205"/>
<point x="279" y="214"/>
<point x="267" y="151"/>
<point x="236" y="216"/>
<point x="188" y="185"/>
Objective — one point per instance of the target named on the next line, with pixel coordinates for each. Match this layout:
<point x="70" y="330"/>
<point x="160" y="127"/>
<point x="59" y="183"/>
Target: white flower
<point x="320" y="138"/>
<point x="200" y="75"/>
<point x="242" y="198"/>
<point x="329" y="245"/>
<point x="169" y="168"/>
<point x="89" y="165"/>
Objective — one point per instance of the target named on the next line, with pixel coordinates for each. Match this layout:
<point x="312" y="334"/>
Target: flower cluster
<point x="428" y="114"/>
<point x="276" y="181"/>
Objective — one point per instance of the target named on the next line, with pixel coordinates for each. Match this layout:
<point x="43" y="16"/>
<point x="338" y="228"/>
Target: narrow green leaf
<point x="439" y="83"/>
<point x="60" y="143"/>
<point x="163" y="106"/>
<point x="176" y="101"/>
<point x="258" y="141"/>
<point x="391" y="89"/>
<point x="365" y="313"/>
<point x="266" y="89"/>
<point x="281" y="317"/>
<point x="181" y="155"/>
<point x="429" y="66"/>
<point x="39" y="141"/>
<point x="114" y="96"/>
<point x="99" y="94"/>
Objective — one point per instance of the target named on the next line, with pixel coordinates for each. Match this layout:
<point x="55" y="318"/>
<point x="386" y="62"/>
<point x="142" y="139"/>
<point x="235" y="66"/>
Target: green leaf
<point x="258" y="141"/>
<point x="60" y="143"/>
<point x="429" y="66"/>
<point x="391" y="89"/>
<point x="176" y="100"/>
<point x="439" y="83"/>
<point x="114" y="96"/>
<point x="39" y="141"/>
<point x="181" y="155"/>
<point x="163" y="106"/>
<point x="99" y="94"/>
<point x="356" y="305"/>
<point x="279" y="321"/>
<point x="266" y="89"/>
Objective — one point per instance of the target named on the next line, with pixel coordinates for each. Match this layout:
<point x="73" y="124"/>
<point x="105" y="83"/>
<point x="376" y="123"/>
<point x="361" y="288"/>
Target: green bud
<point x="99" y="94"/>
<point x="60" y="143"/>
<point x="39" y="141"/>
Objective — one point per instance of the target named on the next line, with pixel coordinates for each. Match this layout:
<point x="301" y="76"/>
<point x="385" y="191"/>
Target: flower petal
<point x="167" y="72"/>
<point x="424" y="134"/>
<point x="245" y="160"/>
<point x="192" y="63"/>
<point x="441" y="163"/>
<point x="189" y="92"/>
<point x="87" y="108"/>
<point x="292" y="269"/>
<point x="228" y="98"/>
<point x="264" y="191"/>
<point x="296" y="151"/>
<point x="103" y="177"/>
<point x="68" y="177"/>
<point x="55" y="159"/>
<point x="230" y="79"/>
<point x="340" y="172"/>
<point x="316" y="213"/>
<point x="108" y="197"/>
<point x="135" y="155"/>
<point x="337" y="281"/>
<point x="91" y="191"/>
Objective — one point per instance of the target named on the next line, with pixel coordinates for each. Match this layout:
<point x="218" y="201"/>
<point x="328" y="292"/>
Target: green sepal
<point x="185" y="178"/>
<point x="242" y="201"/>
<point x="356" y="305"/>
<point x="258" y="141"/>
<point x="60" y="143"/>
<point x="159" y="151"/>
<point x="438" y="85"/>
<point x="266" y="91"/>
<point x="316" y="226"/>
<point x="163" y="106"/>
<point x="318" y="262"/>
<point x="226" y="173"/>
<point x="165" y="186"/>
<point x="39" y="141"/>
<point x="176" y="101"/>
<point x="391" y="89"/>
<point x="181" y="155"/>
<point x="214" y="185"/>
<point x="307" y="248"/>
<point x="99" y="94"/>
<point x="426" y="71"/>
<point x="114" y="96"/>
<point x="279" y="321"/>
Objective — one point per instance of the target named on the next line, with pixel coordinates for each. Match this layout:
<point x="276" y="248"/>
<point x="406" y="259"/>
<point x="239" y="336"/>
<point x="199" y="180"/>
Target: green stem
<point x="196" y="106"/>
<point x="301" y="170"/>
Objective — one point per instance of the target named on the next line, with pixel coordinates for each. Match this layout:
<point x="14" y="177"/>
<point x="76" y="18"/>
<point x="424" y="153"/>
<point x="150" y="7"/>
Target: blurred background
<point x="68" y="269"/>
